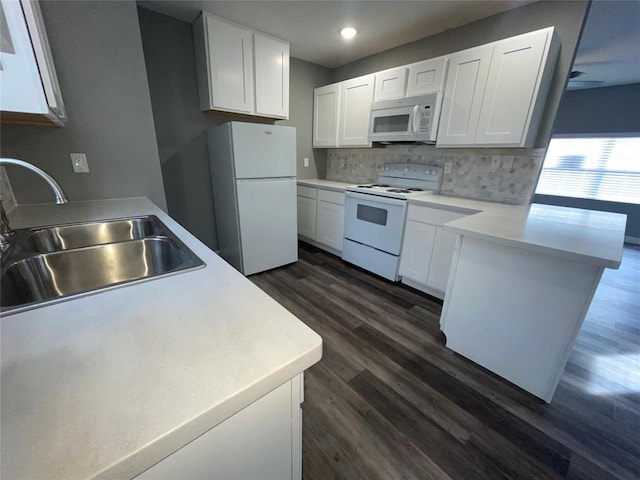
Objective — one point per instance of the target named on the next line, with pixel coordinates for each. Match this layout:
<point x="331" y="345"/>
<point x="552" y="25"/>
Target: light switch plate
<point x="79" y="162"/>
<point x="306" y="163"/>
<point x="447" y="167"/>
<point x="495" y="162"/>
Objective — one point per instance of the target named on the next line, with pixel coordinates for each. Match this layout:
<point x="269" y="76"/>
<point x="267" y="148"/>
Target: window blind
<point x="601" y="168"/>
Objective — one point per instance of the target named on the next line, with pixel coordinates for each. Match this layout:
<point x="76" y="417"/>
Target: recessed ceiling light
<point x="348" y="32"/>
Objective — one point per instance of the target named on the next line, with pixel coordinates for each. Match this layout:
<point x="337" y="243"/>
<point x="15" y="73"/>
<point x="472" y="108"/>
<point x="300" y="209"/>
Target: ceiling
<point x="609" y="50"/>
<point x="312" y="28"/>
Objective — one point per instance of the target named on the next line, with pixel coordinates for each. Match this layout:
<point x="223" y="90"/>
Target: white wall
<point x="98" y="55"/>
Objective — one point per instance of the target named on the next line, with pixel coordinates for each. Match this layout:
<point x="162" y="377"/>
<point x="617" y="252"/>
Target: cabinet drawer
<point x="433" y="216"/>
<point x="330" y="196"/>
<point x="308" y="192"/>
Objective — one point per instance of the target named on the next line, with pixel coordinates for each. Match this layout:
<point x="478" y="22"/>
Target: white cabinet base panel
<point x="423" y="288"/>
<point x="517" y="312"/>
<point x="321" y="246"/>
<point x="263" y="441"/>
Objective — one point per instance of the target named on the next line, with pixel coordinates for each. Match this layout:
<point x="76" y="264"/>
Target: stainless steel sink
<point x="65" y="237"/>
<point x="57" y="262"/>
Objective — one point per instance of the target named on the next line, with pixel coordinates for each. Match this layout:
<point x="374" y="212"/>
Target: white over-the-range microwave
<point x="412" y="119"/>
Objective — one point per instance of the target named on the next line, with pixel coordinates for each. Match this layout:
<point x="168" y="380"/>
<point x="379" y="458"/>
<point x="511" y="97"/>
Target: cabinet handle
<point x="415" y="122"/>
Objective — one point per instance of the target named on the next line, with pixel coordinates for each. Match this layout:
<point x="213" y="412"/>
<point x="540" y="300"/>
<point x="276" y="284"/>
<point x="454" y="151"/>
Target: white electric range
<point x="375" y="213"/>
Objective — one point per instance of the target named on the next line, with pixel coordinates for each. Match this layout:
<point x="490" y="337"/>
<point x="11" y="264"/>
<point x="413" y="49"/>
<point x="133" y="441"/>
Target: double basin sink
<point x="51" y="263"/>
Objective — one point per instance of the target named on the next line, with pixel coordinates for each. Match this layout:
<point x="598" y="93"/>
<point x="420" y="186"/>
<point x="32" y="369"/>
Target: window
<point x="601" y="168"/>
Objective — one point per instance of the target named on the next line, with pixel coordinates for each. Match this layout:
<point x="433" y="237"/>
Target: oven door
<point x="374" y="221"/>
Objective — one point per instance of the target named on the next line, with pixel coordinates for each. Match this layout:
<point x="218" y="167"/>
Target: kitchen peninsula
<point x="521" y="282"/>
<point x="109" y="384"/>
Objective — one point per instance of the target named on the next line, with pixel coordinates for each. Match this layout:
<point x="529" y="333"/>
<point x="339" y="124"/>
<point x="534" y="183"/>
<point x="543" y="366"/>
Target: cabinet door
<point x="463" y="93"/>
<point x="427" y="76"/>
<point x="230" y="65"/>
<point x="330" y="224"/>
<point x="417" y="247"/>
<point x="355" y="108"/>
<point x="272" y="76"/>
<point x="326" y="109"/>
<point x="30" y="91"/>
<point x="441" y="258"/>
<point x="307" y="217"/>
<point x="512" y="86"/>
<point x="390" y="84"/>
<point x="261" y="441"/>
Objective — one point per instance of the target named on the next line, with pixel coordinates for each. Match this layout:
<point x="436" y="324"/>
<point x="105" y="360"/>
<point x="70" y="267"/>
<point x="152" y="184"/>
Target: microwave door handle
<point x="416" y="121"/>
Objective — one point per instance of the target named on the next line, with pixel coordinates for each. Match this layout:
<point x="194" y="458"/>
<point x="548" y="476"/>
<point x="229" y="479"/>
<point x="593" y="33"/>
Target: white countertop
<point x="326" y="184"/>
<point x="584" y="235"/>
<point x="108" y="384"/>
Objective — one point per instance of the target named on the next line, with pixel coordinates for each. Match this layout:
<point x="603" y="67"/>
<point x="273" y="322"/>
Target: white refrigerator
<point x="253" y="176"/>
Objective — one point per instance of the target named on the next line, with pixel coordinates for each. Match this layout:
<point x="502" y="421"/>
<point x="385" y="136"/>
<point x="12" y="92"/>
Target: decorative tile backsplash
<point x="499" y="175"/>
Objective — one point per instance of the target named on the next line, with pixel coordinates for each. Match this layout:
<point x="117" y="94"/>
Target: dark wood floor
<point x="389" y="401"/>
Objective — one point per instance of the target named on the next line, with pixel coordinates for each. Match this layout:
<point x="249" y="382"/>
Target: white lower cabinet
<point x="264" y="440"/>
<point x="307" y="212"/>
<point x="427" y="250"/>
<point x="321" y="218"/>
<point x="419" y="239"/>
<point x="330" y="219"/>
<point x="443" y="249"/>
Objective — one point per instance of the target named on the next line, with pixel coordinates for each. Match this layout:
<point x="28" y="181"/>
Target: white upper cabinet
<point x="427" y="76"/>
<point x="341" y="113"/>
<point x="240" y="70"/>
<point x="463" y="92"/>
<point x="390" y="84"/>
<point x="513" y="85"/>
<point x="30" y="91"/>
<point x="355" y="109"/>
<point x="326" y="110"/>
<point x="495" y="94"/>
<point x="227" y="73"/>
<point x="272" y="76"/>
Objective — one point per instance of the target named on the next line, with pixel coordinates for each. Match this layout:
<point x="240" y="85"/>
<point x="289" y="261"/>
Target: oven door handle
<point x="375" y="198"/>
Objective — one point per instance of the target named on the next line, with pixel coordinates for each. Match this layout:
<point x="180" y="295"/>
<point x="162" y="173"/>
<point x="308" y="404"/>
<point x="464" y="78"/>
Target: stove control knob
<point x="406" y="169"/>
<point x="432" y="172"/>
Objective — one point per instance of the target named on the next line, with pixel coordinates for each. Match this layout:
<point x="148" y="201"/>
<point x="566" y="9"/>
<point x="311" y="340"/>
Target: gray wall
<point x="600" y="110"/>
<point x="567" y="16"/>
<point x="181" y="126"/>
<point x="304" y="78"/>
<point x="99" y="60"/>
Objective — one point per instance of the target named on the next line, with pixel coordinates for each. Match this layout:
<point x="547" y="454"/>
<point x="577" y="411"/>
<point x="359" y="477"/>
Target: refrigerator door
<point x="268" y="223"/>
<point x="263" y="151"/>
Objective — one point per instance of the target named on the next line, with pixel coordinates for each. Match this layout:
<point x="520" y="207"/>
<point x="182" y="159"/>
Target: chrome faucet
<point x="5" y="228"/>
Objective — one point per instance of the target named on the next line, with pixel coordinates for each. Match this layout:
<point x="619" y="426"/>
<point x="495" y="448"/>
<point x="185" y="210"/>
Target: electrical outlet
<point x="447" y="167"/>
<point x="495" y="162"/>
<point x="79" y="162"/>
<point x="507" y="163"/>
<point x="306" y="162"/>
